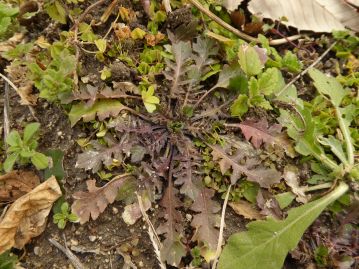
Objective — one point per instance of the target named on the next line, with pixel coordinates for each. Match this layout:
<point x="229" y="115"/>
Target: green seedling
<point x="23" y="150"/>
<point x="61" y="218"/>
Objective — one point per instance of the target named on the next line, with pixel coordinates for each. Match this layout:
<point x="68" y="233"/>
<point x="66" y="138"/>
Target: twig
<point x="167" y="5"/>
<point x="236" y="31"/>
<point x="156" y="243"/>
<point x="32" y="111"/>
<point x="306" y="70"/>
<point x="6" y="113"/>
<point x="87" y="10"/>
<point x="221" y="228"/>
<point x="73" y="259"/>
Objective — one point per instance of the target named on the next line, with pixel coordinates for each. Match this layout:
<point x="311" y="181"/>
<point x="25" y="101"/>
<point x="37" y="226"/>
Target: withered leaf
<point x="258" y="132"/>
<point x="245" y="209"/>
<point x="172" y="249"/>
<point x="95" y="201"/>
<point x="17" y="183"/>
<point x="133" y="212"/>
<point x="244" y="161"/>
<point x="206" y="220"/>
<point x="26" y="217"/>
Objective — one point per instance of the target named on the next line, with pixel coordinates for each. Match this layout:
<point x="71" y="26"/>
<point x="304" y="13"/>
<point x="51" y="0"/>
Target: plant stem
<point x="346" y="133"/>
<point x="236" y="31"/>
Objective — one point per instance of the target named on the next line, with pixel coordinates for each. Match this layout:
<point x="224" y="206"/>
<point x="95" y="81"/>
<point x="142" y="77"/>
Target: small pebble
<point x="37" y="251"/>
<point x="114" y="210"/>
<point x="92" y="238"/>
<point x="74" y="242"/>
<point x="188" y="217"/>
<point x="59" y="133"/>
<point x="140" y="264"/>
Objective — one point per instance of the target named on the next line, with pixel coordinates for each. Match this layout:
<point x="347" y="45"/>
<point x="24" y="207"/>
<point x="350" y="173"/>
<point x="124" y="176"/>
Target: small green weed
<point x="64" y="215"/>
<point x="23" y="150"/>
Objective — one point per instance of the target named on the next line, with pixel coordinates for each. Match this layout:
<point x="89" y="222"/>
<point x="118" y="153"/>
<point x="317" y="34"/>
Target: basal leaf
<point x="206" y="220"/>
<point x="259" y="132"/>
<point x="335" y="146"/>
<point x="243" y="161"/>
<point x="102" y="108"/>
<point x="266" y="243"/>
<point x="239" y="106"/>
<point x="94" y="202"/>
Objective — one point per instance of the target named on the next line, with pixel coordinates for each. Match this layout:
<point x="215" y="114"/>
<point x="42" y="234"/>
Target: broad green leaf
<point x="291" y="62"/>
<point x="57" y="12"/>
<point x="240" y="106"/>
<point x="102" y="108"/>
<point x="4" y="24"/>
<point x="10" y="161"/>
<point x="335" y="146"/>
<point x="30" y="130"/>
<point x="149" y="100"/>
<point x="267" y="243"/>
<point x="40" y="160"/>
<point x="284" y="199"/>
<point x="8" y="260"/>
<point x="14" y="139"/>
<point x="7" y="10"/>
<point x="270" y="81"/>
<point x="101" y="44"/>
<point x="251" y="59"/>
<point x="328" y="86"/>
<point x="56" y="168"/>
<point x="138" y="33"/>
<point x="86" y="32"/>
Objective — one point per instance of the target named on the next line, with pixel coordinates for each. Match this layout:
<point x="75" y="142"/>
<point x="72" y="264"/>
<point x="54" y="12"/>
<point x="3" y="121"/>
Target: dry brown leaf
<point x="11" y="43"/>
<point x="246" y="210"/>
<point x="17" y="183"/>
<point x="95" y="201"/>
<point x="26" y="217"/>
<point x="312" y="15"/>
<point x="18" y="75"/>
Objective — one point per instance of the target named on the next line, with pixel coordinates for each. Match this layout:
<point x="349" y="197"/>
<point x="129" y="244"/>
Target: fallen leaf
<point x="245" y="209"/>
<point x="133" y="212"/>
<point x="26" y="217"/>
<point x="17" y="183"/>
<point x="95" y="201"/>
<point x="312" y="15"/>
<point x="231" y="5"/>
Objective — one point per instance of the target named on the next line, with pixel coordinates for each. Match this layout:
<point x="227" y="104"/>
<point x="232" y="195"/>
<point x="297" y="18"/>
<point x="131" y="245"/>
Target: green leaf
<point x="56" y="169"/>
<point x="61" y="223"/>
<point x="30" y="130"/>
<point x="40" y="160"/>
<point x="10" y="161"/>
<point x="149" y="100"/>
<point x="251" y="59"/>
<point x="291" y="62"/>
<point x="267" y="243"/>
<point x="229" y="73"/>
<point x="284" y="199"/>
<point x="328" y="86"/>
<point x="65" y="208"/>
<point x="138" y="33"/>
<point x="7" y="10"/>
<point x="271" y="81"/>
<point x="14" y="139"/>
<point x="57" y="12"/>
<point x="86" y="32"/>
<point x="101" y="45"/>
<point x="239" y="106"/>
<point x="8" y="260"/>
<point x="335" y="146"/>
<point x="102" y="108"/>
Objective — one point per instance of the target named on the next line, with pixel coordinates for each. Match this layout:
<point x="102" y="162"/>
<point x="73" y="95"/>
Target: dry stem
<point x="236" y="31"/>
